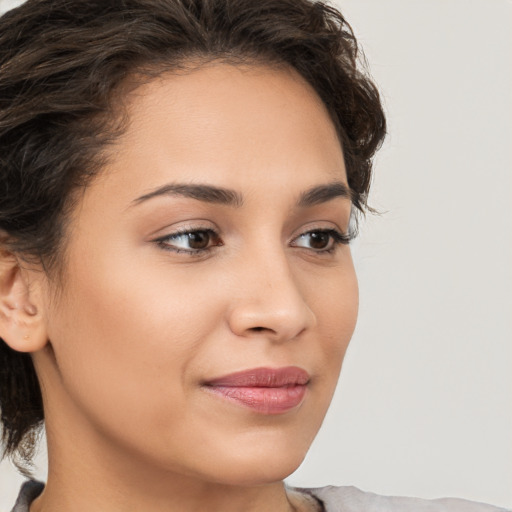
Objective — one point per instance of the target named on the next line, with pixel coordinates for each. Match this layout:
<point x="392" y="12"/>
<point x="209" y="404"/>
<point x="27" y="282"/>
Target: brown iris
<point x="319" y="239"/>
<point x="199" y="239"/>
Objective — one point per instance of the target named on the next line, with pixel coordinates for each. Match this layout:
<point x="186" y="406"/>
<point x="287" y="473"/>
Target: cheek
<point x="337" y="309"/>
<point x="335" y="300"/>
<point x="124" y="341"/>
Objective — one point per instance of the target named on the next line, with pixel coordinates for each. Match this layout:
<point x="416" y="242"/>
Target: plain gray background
<point x="424" y="405"/>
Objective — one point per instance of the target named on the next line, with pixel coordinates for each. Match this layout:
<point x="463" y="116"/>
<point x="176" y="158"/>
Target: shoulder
<point x="28" y="493"/>
<point x="352" y="499"/>
<point x="334" y="499"/>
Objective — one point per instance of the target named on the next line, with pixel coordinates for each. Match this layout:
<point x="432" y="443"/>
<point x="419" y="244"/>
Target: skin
<point x="123" y="348"/>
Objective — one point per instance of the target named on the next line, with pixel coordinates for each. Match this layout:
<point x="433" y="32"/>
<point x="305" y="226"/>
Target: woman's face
<point x="212" y="244"/>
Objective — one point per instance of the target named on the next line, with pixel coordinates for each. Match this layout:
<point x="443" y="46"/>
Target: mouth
<point x="264" y="390"/>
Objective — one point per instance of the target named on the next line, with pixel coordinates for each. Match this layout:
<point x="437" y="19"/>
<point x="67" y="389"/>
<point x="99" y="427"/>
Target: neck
<point x="82" y="497"/>
<point x="83" y="480"/>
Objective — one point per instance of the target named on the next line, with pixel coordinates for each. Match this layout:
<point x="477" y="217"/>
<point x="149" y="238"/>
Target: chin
<point x="261" y="474"/>
<point x="260" y="467"/>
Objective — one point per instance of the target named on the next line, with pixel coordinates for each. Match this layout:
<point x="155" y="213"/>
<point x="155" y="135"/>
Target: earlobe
<point x="21" y="320"/>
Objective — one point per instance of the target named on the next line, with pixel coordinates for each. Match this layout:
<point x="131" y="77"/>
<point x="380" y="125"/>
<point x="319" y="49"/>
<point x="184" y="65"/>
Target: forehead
<point x="237" y="127"/>
<point x="227" y="92"/>
<point x="221" y="111"/>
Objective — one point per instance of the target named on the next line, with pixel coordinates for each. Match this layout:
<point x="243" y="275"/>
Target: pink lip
<point x="265" y="390"/>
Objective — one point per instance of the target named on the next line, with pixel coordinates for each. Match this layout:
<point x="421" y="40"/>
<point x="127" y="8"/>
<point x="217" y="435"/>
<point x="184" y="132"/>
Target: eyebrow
<point x="224" y="196"/>
<point x="205" y="193"/>
<point x="324" y="193"/>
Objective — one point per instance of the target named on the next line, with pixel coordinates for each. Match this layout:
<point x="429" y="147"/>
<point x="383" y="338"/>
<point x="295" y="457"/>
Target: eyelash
<point x="337" y="237"/>
<point x="163" y="241"/>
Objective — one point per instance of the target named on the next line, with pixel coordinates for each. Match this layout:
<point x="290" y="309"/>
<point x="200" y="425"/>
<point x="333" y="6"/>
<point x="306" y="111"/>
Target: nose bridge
<point x="269" y="300"/>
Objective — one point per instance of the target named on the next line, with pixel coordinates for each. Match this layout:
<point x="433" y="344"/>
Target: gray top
<point x="352" y="499"/>
<point x="333" y="499"/>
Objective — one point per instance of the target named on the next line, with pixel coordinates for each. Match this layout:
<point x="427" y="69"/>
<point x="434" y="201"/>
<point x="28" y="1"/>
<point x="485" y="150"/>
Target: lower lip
<point x="264" y="400"/>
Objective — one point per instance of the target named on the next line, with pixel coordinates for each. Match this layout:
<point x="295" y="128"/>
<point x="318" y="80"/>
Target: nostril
<point x="257" y="329"/>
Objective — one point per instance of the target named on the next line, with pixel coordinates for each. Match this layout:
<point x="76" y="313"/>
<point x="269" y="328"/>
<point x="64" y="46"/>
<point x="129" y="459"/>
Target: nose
<point x="269" y="302"/>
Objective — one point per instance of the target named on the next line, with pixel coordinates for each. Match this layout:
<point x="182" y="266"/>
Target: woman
<point x="180" y="181"/>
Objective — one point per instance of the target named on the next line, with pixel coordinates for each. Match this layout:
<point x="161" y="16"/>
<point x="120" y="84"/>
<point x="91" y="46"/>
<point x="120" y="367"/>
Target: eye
<point x="194" y="241"/>
<point x="321" y="240"/>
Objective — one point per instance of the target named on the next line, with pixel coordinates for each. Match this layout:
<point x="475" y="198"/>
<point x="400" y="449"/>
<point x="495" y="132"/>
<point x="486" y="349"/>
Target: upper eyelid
<point x="321" y="225"/>
<point x="186" y="231"/>
<point x="199" y="225"/>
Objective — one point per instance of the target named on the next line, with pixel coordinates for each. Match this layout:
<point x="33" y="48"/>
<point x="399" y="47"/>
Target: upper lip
<point x="263" y="377"/>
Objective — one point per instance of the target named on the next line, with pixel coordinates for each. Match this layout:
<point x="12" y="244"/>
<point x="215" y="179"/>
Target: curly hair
<point x="63" y="64"/>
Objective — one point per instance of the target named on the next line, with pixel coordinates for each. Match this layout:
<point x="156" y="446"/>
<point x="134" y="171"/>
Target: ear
<point x="22" y="324"/>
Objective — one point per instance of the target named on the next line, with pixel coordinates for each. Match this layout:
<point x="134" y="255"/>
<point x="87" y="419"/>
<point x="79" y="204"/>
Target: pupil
<point x="199" y="240"/>
<point x="319" y="240"/>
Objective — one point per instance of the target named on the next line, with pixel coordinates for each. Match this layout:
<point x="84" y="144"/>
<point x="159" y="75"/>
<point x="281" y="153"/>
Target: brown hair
<point x="62" y="65"/>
